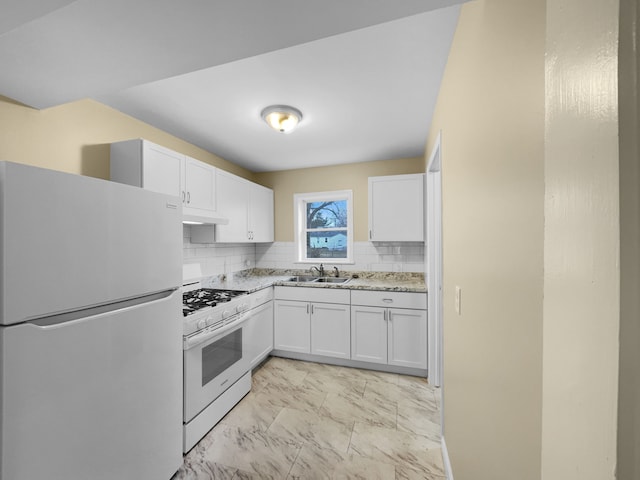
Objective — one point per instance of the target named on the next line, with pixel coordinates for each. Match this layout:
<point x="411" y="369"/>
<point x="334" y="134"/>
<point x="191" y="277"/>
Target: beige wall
<point x="491" y="113"/>
<point x="629" y="390"/>
<point x="344" y="177"/>
<point x="528" y="113"/>
<point x="75" y="137"/>
<point x="581" y="281"/>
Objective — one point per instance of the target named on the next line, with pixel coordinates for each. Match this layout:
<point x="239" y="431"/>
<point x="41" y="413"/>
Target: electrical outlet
<point x="458" y="295"/>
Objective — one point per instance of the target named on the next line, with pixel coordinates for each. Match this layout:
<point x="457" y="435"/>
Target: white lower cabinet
<point x="312" y="320"/>
<point x="385" y="328"/>
<point x="330" y="330"/>
<point x="292" y="326"/>
<point x="368" y="334"/>
<point x="316" y="328"/>
<point x="389" y="335"/>
<point x="407" y="338"/>
<point x="259" y="331"/>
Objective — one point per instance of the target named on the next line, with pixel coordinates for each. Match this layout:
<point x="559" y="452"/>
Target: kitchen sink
<point x="314" y="279"/>
<point x="303" y="278"/>
<point x="331" y="280"/>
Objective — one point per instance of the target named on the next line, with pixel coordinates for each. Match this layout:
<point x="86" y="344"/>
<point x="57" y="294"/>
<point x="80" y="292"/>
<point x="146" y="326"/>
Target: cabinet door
<point x="292" y="328"/>
<point x="261" y="213"/>
<point x="408" y="338"/>
<point x="396" y="208"/>
<point x="162" y="170"/>
<point x="200" y="182"/>
<point x="330" y="330"/>
<point x="369" y="334"/>
<point x="259" y="331"/>
<point x="233" y="203"/>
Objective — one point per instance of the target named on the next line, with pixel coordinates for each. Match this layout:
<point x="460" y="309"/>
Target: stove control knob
<point x="225" y="314"/>
<point x="202" y="324"/>
<point x="209" y="319"/>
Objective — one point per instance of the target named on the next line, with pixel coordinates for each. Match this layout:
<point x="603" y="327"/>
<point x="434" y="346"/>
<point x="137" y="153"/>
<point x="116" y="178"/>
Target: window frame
<point x="300" y="200"/>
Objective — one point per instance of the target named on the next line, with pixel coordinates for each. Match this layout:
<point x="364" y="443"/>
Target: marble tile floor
<point x="305" y="420"/>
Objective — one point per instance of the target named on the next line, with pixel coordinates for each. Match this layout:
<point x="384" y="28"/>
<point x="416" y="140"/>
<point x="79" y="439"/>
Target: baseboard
<point x="447" y="463"/>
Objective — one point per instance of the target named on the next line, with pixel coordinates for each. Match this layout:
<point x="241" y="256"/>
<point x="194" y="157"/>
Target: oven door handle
<point x="198" y="338"/>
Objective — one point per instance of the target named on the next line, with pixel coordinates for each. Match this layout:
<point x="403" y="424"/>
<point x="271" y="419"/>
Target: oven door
<point x="213" y="361"/>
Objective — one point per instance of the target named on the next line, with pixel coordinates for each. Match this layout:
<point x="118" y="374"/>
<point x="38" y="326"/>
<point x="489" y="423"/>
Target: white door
<point x="200" y="182"/>
<point x="407" y="338"/>
<point x="434" y="264"/>
<point x="162" y="170"/>
<point x="369" y="334"/>
<point x="233" y="203"/>
<point x="292" y="329"/>
<point x="261" y="214"/>
<point x="330" y="330"/>
<point x="395" y="208"/>
<point x="259" y="332"/>
<point x="91" y="242"/>
<point x="97" y="397"/>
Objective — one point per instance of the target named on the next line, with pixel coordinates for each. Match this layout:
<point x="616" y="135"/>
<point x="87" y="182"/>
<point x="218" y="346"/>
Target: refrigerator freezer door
<point x="68" y="242"/>
<point x="98" y="397"/>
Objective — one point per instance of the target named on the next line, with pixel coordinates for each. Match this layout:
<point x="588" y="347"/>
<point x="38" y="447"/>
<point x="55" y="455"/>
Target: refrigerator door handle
<point x="52" y="321"/>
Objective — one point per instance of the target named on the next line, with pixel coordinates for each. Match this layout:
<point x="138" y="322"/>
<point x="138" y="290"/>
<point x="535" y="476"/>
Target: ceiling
<point x="364" y="73"/>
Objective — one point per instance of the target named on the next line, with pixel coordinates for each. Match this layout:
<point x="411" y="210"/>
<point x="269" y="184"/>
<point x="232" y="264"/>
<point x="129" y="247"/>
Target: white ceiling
<point x="364" y="73"/>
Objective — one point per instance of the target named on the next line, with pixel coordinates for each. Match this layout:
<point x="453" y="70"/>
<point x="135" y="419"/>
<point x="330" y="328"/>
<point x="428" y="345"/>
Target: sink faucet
<point x="337" y="271"/>
<point x="319" y="270"/>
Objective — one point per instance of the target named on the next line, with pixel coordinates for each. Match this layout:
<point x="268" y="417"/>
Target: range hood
<point x="210" y="219"/>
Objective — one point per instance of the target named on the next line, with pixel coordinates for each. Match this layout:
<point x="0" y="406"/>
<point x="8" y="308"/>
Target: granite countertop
<point x="258" y="278"/>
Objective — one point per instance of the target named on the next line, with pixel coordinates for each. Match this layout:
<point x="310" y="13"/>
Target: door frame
<point x="433" y="257"/>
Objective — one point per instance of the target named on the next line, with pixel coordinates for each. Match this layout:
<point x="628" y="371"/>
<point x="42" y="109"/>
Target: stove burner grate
<point x="206" y="297"/>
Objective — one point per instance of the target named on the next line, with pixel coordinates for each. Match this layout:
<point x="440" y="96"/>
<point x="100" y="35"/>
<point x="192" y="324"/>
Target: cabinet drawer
<point x="389" y="299"/>
<point x="312" y="294"/>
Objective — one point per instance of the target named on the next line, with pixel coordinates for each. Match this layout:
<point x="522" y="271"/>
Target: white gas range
<point x="216" y="359"/>
<point x="209" y="307"/>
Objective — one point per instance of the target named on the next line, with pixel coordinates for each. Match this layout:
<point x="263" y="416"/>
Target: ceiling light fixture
<point x="282" y="118"/>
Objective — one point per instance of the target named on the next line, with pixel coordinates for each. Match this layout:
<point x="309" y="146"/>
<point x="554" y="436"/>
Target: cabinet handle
<point x="188" y="197"/>
<point x="384" y="315"/>
<point x="183" y="196"/>
<point x="307" y="308"/>
<point x="370" y="236"/>
<point x="387" y="300"/>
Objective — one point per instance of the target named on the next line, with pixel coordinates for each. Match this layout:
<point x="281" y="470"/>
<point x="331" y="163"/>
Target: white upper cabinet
<point x="249" y="208"/>
<point x="199" y="185"/>
<point x="161" y="169"/>
<point x="144" y="164"/>
<point x="260" y="213"/>
<point x="233" y="203"/>
<point x="396" y="208"/>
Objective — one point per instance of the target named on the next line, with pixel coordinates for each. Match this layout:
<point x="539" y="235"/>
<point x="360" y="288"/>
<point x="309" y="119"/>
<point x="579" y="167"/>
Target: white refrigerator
<point x="90" y="328"/>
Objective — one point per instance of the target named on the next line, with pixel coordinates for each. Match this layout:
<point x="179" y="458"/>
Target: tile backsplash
<point x="368" y="256"/>
<point x="219" y="258"/>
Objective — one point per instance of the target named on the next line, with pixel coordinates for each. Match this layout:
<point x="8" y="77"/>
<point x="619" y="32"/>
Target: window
<point x="324" y="226"/>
